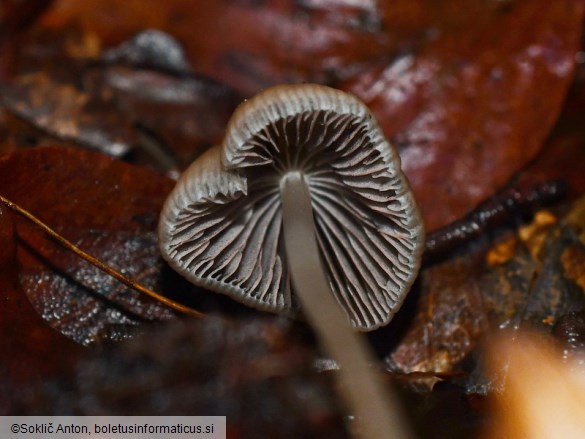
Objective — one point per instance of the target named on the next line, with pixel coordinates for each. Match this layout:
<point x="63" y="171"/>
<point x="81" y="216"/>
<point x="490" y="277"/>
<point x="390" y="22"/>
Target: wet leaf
<point x="524" y="279"/>
<point x="257" y="373"/>
<point x="108" y="208"/>
<point x="247" y="45"/>
<point x="468" y="104"/>
<point x="473" y="104"/>
<point x="30" y="350"/>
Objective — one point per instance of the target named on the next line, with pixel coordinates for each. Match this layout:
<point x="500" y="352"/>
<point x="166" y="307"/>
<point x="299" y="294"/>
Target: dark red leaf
<point x="257" y="373"/>
<point x="109" y="209"/>
<point x="468" y="103"/>
<point x="474" y="103"/>
<point x="247" y="45"/>
<point x="29" y="349"/>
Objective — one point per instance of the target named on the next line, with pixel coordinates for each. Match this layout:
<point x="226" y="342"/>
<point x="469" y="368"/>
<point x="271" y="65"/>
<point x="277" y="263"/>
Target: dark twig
<point x="490" y="214"/>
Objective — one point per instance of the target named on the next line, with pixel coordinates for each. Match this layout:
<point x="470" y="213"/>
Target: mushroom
<point x="304" y="201"/>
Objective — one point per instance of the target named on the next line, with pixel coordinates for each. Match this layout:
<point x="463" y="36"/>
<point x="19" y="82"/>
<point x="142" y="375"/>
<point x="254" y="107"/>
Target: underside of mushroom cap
<point x="222" y="225"/>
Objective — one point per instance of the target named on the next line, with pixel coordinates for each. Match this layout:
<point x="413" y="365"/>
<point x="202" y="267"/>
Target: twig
<point x="99" y="264"/>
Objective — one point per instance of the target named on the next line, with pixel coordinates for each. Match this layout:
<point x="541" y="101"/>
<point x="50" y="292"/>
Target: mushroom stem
<point x="364" y="392"/>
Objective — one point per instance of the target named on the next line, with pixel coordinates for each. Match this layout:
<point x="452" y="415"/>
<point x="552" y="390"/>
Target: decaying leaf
<point x="534" y="285"/>
<point x="468" y="104"/>
<point x="184" y="114"/>
<point x="256" y="373"/>
<point x="68" y="114"/>
<point x="246" y="44"/>
<point x="30" y="350"/>
<point x="471" y="105"/>
<point x="106" y="207"/>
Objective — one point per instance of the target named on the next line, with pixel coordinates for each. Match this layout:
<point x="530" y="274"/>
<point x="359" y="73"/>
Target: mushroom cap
<point x="221" y="227"/>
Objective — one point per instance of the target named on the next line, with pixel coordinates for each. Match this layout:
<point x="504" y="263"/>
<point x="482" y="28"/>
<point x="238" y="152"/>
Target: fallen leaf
<point x="188" y="114"/>
<point x="30" y="350"/>
<point x="68" y="114"/>
<point x="247" y="45"/>
<point x="256" y="373"/>
<point x="467" y="104"/>
<point x="108" y="208"/>
<point x="472" y="105"/>
<point x="461" y="298"/>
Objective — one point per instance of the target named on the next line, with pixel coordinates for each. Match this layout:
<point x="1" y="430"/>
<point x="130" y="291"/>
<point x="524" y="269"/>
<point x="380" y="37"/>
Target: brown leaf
<point x="66" y="113"/>
<point x="468" y="104"/>
<point x="472" y="104"/>
<point x="29" y="349"/>
<point x="531" y="287"/>
<point x="257" y="373"/>
<point x="247" y="45"/>
<point x="108" y="208"/>
<point x="187" y="113"/>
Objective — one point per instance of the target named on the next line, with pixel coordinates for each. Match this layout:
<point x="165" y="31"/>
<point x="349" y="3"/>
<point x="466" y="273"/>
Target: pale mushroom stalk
<point x="304" y="203"/>
<point x="364" y="393"/>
